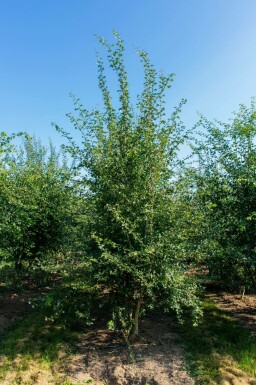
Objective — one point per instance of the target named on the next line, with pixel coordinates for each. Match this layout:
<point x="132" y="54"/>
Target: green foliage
<point x="131" y="225"/>
<point x="128" y="161"/>
<point x="70" y="305"/>
<point x="34" y="203"/>
<point x="226" y="194"/>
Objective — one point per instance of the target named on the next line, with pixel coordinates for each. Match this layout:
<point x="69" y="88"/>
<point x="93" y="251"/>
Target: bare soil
<point x="240" y="308"/>
<point x="102" y="356"/>
<point x="154" y="359"/>
<point x="12" y="308"/>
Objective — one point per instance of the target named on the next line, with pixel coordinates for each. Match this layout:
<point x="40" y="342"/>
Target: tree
<point x="226" y="191"/>
<point x="34" y="195"/>
<point x="6" y="149"/>
<point x="128" y="162"/>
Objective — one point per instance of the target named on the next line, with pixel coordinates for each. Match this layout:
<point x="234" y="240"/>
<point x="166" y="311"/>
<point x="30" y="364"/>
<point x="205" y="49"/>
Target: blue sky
<point x="48" y="50"/>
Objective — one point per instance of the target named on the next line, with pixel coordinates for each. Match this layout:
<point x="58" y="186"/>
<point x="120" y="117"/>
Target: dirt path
<point x="242" y="309"/>
<point x="157" y="357"/>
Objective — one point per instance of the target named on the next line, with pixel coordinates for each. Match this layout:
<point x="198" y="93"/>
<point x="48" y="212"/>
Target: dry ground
<point x="240" y="308"/>
<point x="12" y="308"/>
<point x="101" y="357"/>
<point x="154" y="359"/>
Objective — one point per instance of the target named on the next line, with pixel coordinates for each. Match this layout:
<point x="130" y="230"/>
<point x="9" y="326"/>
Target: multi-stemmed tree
<point x="128" y="160"/>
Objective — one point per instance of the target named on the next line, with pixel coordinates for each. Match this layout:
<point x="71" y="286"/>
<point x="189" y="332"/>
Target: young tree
<point x="128" y="160"/>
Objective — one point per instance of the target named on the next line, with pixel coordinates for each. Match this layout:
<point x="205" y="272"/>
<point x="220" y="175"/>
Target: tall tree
<point x="128" y="162"/>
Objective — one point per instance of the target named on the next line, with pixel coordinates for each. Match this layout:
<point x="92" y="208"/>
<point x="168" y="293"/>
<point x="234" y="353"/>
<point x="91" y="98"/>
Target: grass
<point x="35" y="350"/>
<point x="218" y="348"/>
<point x="32" y="348"/>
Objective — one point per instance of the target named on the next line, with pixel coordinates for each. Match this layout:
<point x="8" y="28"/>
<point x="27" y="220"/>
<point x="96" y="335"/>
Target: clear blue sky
<point x="48" y="49"/>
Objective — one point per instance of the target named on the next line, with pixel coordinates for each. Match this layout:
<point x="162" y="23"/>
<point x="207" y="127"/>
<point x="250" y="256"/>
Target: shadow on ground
<point x="241" y="308"/>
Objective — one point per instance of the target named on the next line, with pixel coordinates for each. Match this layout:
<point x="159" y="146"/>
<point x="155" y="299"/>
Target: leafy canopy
<point x="128" y="161"/>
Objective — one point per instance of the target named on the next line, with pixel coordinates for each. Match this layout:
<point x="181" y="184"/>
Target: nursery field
<point x="125" y="259"/>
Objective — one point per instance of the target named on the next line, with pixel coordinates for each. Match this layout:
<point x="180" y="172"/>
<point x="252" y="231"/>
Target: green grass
<point x="215" y="341"/>
<point x="34" y="346"/>
<point x="33" y="341"/>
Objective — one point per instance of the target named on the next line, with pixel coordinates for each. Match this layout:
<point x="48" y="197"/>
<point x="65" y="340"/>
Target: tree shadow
<point x="218" y="341"/>
<point x="242" y="309"/>
<point x="32" y="346"/>
<point x="12" y="307"/>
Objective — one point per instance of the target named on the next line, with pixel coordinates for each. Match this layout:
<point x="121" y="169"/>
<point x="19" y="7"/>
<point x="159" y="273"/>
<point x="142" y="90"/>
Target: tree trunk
<point x="18" y="264"/>
<point x="251" y="273"/>
<point x="135" y="330"/>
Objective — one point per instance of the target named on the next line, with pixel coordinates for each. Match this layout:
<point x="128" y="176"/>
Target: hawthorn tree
<point x="128" y="162"/>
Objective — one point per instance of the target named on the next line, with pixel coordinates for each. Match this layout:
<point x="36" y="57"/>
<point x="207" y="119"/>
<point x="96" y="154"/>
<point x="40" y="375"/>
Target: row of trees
<point x="139" y="216"/>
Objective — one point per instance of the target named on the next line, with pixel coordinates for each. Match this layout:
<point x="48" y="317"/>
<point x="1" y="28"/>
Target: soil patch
<point x="12" y="308"/>
<point x="240" y="308"/>
<point x="154" y="359"/>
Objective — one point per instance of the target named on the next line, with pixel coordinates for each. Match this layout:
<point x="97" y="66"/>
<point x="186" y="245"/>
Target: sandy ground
<point x="102" y="356"/>
<point x="243" y="310"/>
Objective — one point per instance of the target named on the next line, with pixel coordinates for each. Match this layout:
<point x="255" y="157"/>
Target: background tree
<point x="34" y="207"/>
<point x="226" y="192"/>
